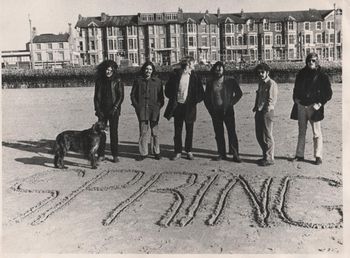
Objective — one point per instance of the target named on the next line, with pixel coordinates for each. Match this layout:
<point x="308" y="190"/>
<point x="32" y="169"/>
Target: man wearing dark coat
<point x="184" y="90"/>
<point x="312" y="90"/>
<point x="147" y="98"/>
<point x="108" y="97"/>
<point x="221" y="94"/>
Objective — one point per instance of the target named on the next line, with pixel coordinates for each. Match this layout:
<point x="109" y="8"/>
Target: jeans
<point x="113" y="129"/>
<point x="179" y="119"/>
<point x="263" y="131"/>
<point x="143" y="140"/>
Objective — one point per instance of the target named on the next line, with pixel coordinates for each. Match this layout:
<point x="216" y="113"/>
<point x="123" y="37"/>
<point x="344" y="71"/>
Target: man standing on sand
<point x="266" y="98"/>
<point x="108" y="98"/>
<point x="311" y="92"/>
<point x="221" y="94"/>
<point x="184" y="90"/>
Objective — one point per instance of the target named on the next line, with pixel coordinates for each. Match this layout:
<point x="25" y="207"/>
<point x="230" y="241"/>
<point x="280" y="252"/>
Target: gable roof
<point x="50" y="38"/>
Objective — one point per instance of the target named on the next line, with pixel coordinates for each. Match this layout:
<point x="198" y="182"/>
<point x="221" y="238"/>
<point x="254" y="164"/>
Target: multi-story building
<point x="165" y="38"/>
<point x="53" y="50"/>
<point x="15" y="59"/>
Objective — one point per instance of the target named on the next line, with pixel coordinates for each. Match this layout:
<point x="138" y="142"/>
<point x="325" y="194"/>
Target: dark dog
<point x="90" y="142"/>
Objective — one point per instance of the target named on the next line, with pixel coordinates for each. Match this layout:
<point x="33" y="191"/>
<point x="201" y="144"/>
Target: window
<point x="91" y="32"/>
<point x="38" y="46"/>
<point x="173" y="42"/>
<point x="50" y="56"/>
<point x="38" y="56"/>
<point x="240" y="40"/>
<point x="229" y="41"/>
<point x="331" y="38"/>
<point x="119" y="32"/>
<point x="291" y="39"/>
<point x="172" y="28"/>
<point x="213" y="28"/>
<point x="60" y="45"/>
<point x="151" y="29"/>
<point x="306" y="25"/>
<point x="110" y="44"/>
<point x="279" y="39"/>
<point x="171" y="16"/>
<point x="326" y="38"/>
<point x="92" y="45"/>
<point x="330" y="25"/>
<point x="267" y="54"/>
<point x="291" y="25"/>
<point x="120" y="43"/>
<point x="239" y="27"/>
<point x="252" y="54"/>
<point x="162" y="43"/>
<point x="318" y="38"/>
<point x="307" y="38"/>
<point x="133" y="58"/>
<point x="132" y="44"/>
<point x="318" y="25"/>
<point x="190" y="27"/>
<point x="229" y="28"/>
<point x="339" y="37"/>
<point x="109" y="31"/>
<point x="159" y="17"/>
<point x="213" y="55"/>
<point x="266" y="26"/>
<point x="191" y="41"/>
<point x="267" y="40"/>
<point x="291" y="53"/>
<point x="81" y="45"/>
<point x="151" y="43"/>
<point x="278" y="26"/>
<point x="49" y="45"/>
<point x="161" y="30"/>
<point x="111" y="57"/>
<point x="251" y="40"/>
<point x="131" y="30"/>
<point x="61" y="55"/>
<point x="204" y="41"/>
<point x="251" y="26"/>
<point x="142" y="43"/>
<point x="213" y="42"/>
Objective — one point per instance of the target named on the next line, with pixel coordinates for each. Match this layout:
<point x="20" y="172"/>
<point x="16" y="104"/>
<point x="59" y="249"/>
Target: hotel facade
<point x="164" y="38"/>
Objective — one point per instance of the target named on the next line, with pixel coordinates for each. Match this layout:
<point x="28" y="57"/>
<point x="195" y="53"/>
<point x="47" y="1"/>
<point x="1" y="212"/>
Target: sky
<point x="53" y="16"/>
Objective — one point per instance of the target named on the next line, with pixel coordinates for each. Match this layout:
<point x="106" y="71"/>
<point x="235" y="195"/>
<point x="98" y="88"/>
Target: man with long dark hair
<point x="109" y="95"/>
<point x="311" y="92"/>
<point x="147" y="98"/>
<point x="221" y="94"/>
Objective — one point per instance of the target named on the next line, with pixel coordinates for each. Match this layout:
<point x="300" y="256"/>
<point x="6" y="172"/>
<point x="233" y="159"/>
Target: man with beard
<point x="221" y="94"/>
<point x="311" y="92"/>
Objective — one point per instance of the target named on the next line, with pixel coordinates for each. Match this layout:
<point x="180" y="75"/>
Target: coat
<point x="232" y="94"/>
<point x="147" y="98"/>
<point x="117" y="91"/>
<point x="195" y="95"/>
<point x="319" y="90"/>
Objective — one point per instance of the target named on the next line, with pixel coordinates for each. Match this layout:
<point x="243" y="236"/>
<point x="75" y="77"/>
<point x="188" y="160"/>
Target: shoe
<point x="115" y="159"/>
<point x="266" y="163"/>
<point x="296" y="158"/>
<point x="140" y="158"/>
<point x="176" y="157"/>
<point x="101" y="158"/>
<point x="237" y="159"/>
<point x="220" y="157"/>
<point x="190" y="156"/>
<point x="260" y="161"/>
<point x="318" y="161"/>
<point x="157" y="156"/>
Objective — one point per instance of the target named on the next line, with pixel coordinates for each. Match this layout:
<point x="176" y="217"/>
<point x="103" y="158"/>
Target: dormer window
<point x="229" y="28"/>
<point x="278" y="26"/>
<point x="266" y="24"/>
<point x="306" y="25"/>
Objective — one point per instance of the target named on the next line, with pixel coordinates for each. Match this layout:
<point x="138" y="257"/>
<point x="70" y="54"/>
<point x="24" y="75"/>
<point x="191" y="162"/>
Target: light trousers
<point x="143" y="140"/>
<point x="304" y="116"/>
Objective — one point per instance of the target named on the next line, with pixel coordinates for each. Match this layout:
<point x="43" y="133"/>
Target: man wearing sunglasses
<point x="311" y="92"/>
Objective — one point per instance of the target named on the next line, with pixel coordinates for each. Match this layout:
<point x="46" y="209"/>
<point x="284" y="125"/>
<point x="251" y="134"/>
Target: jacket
<point x="117" y="91"/>
<point x="312" y="87"/>
<point x="147" y="98"/>
<point x="232" y="93"/>
<point x="194" y="96"/>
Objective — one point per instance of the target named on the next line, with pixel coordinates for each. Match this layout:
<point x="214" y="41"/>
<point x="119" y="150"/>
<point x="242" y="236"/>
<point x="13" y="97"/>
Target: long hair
<point x="102" y="67"/>
<point x="310" y="56"/>
<point x="147" y="63"/>
<point x="216" y="65"/>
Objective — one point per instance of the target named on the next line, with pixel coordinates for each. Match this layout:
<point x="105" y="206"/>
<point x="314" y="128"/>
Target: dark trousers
<point x="219" y="119"/>
<point x="263" y="131"/>
<point x="179" y="119"/>
<point x="113" y="131"/>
